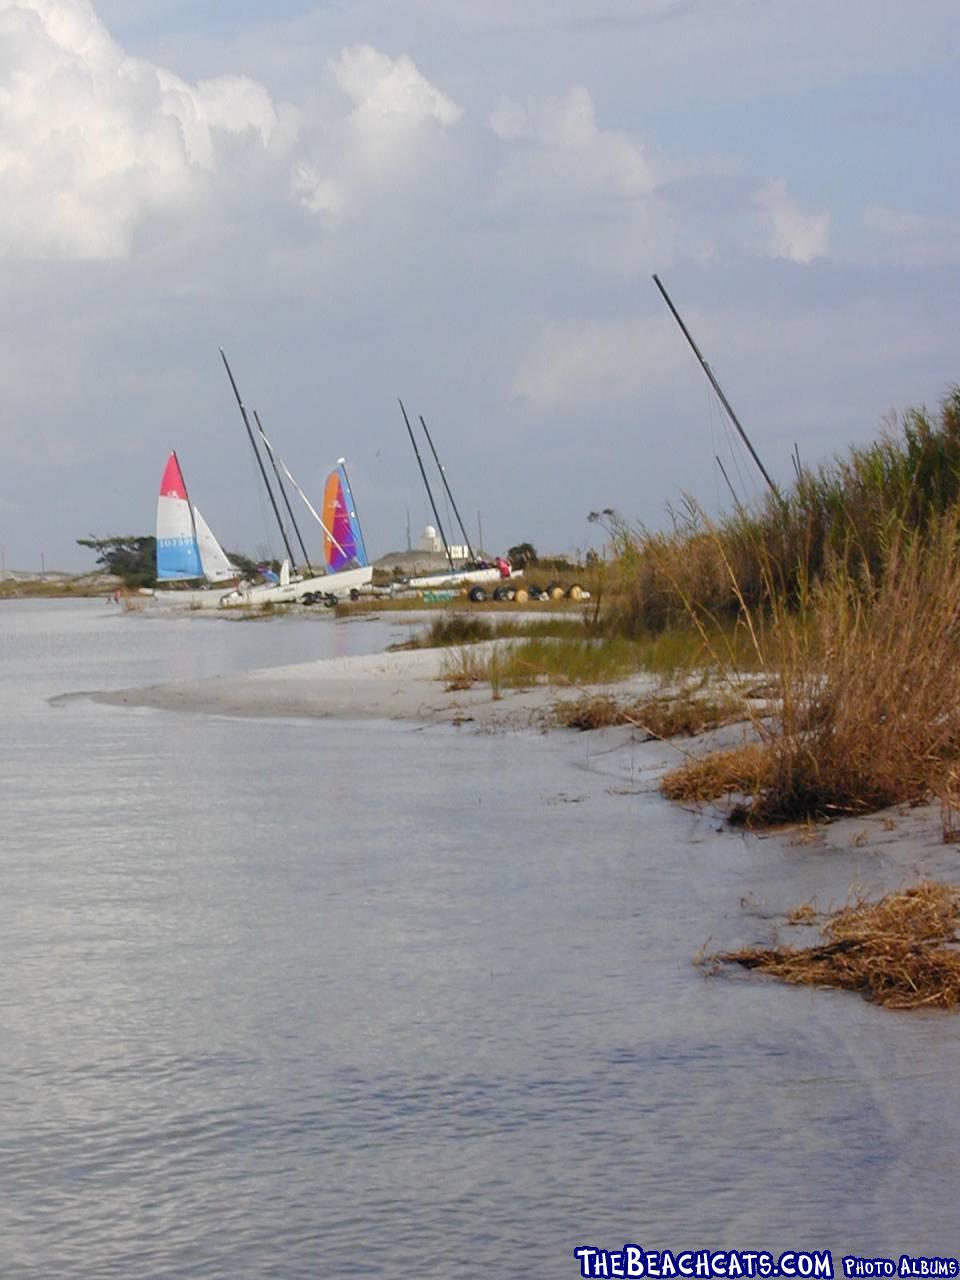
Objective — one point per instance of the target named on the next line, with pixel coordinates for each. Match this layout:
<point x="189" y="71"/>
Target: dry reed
<point x="899" y="952"/>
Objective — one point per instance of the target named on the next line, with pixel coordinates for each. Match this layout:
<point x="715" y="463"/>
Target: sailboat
<point x="348" y="568"/>
<point x="187" y="550"/>
<point x="345" y="578"/>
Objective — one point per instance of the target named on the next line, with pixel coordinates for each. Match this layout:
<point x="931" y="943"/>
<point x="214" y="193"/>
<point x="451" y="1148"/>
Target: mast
<point x="426" y="485"/>
<point x="306" y="501"/>
<point x="717" y="388"/>
<point x="256" y="454"/>
<point x="443" y="477"/>
<point x="283" y="492"/>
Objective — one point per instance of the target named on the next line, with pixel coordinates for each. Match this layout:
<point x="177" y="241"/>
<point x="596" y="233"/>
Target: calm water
<point x="301" y="999"/>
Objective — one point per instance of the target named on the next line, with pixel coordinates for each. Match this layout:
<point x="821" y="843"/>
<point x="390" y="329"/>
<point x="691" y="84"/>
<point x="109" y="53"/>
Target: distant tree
<point x="134" y="559"/>
<point x="244" y="564"/>
<point x="523" y="554"/>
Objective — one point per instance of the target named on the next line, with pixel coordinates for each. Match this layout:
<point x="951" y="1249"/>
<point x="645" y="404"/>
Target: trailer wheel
<point x="308" y="598"/>
<point x="330" y="600"/>
<point x="477" y="594"/>
<point x="521" y="595"/>
<point x="555" y="591"/>
<point x="575" y="592"/>
<point x="354" y="593"/>
<point x="501" y="593"/>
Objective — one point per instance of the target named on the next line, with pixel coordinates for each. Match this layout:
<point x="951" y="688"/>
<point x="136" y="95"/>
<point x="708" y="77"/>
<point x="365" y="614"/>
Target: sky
<point x="461" y="203"/>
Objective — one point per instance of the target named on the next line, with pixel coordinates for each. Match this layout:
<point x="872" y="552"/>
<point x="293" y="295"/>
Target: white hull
<point x="330" y="584"/>
<point x="195" y="598"/>
<point x="437" y="581"/>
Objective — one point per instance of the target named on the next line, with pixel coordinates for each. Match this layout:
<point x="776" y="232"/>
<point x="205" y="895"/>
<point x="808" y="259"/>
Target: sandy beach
<point x="406" y="685"/>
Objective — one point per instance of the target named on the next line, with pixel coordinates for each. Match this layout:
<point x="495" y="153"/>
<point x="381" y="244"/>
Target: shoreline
<point x="874" y="854"/>
<point x="399" y="685"/>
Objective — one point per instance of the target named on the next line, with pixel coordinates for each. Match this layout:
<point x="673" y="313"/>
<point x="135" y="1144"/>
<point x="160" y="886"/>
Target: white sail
<point x="213" y="558"/>
<point x="177" y="554"/>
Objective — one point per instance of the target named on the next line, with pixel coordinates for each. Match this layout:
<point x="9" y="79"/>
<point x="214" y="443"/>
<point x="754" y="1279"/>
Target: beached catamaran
<point x="344" y="578"/>
<point x="344" y="551"/>
<point x="187" y="550"/>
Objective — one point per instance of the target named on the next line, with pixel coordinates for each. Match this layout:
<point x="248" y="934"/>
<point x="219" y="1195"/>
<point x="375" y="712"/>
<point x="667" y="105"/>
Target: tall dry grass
<point x="865" y="678"/>
<point x="848" y="513"/>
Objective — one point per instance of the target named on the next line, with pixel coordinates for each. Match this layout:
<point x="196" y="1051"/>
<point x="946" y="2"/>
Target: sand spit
<point x="407" y="685"/>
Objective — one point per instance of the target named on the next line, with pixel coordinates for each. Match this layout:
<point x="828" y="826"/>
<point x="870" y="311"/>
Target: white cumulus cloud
<point x="562" y="149"/>
<point x="793" y="234"/>
<point x="93" y="140"/>
<point x="394" y="111"/>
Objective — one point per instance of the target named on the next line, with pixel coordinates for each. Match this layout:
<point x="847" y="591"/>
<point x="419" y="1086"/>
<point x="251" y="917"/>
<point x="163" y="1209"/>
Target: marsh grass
<point x="40" y="589"/>
<point x="899" y="952"/>
<point x="743" y="770"/>
<point x="865" y="675"/>
<point x="680" y="714"/>
<point x="841" y="515"/>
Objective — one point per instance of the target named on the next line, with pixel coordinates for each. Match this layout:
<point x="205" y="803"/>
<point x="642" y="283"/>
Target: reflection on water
<point x="298" y="999"/>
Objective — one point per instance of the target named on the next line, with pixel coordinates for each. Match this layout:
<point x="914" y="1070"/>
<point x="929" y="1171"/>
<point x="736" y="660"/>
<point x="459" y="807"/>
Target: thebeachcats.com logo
<point x="753" y="1264"/>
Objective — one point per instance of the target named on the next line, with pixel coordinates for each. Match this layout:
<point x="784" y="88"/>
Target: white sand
<point x="408" y="685"/>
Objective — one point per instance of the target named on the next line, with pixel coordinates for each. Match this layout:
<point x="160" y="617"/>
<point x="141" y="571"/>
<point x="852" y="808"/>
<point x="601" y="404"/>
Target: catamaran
<point x="347" y="573"/>
<point x="348" y="569"/>
<point x="187" y="550"/>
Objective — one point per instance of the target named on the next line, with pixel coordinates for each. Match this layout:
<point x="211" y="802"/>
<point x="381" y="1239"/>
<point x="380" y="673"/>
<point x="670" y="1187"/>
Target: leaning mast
<point x="426" y="485"/>
<point x="716" y="386"/>
<point x="446" y="485"/>
<point x="256" y="453"/>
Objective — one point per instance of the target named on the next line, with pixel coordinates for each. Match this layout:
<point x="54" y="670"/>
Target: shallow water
<point x="304" y="998"/>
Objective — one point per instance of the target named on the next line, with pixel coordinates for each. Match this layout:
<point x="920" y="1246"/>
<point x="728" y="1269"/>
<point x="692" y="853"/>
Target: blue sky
<point x="461" y="202"/>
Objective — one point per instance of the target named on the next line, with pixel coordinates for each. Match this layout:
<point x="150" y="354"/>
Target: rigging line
<point x="309" y="505"/>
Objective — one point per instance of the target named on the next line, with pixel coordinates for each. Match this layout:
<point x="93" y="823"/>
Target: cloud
<point x="395" y="110"/>
<point x="794" y="235"/>
<point x="625" y="209"/>
<point x="94" y="141"/>
<point x="558" y="151"/>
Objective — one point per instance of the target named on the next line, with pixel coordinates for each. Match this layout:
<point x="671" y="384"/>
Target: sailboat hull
<point x="339" y="585"/>
<point x="459" y="577"/>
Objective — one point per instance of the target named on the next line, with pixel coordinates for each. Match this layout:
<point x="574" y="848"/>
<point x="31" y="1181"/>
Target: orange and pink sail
<point x="343" y="544"/>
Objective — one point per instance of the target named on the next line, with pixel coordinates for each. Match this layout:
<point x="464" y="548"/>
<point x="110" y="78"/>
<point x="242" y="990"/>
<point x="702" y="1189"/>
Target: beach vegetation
<point x="680" y="713"/>
<point x="899" y="952"/>
<point x="844" y="592"/>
